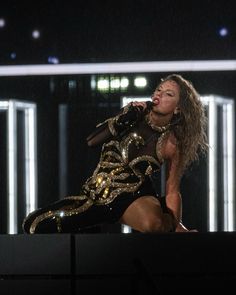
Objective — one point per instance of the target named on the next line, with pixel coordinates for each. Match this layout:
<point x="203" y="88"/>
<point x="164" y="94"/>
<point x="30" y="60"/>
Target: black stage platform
<point x="183" y="263"/>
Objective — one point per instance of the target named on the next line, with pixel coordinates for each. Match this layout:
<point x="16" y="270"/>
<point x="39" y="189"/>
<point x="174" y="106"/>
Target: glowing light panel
<point x="123" y="67"/>
<point x="29" y="110"/>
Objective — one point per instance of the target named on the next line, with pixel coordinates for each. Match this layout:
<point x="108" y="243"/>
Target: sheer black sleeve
<point x="99" y="135"/>
<point x="116" y="126"/>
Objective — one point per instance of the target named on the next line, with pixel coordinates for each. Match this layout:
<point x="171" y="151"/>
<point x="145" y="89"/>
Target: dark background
<point x="125" y="30"/>
<point x="107" y="31"/>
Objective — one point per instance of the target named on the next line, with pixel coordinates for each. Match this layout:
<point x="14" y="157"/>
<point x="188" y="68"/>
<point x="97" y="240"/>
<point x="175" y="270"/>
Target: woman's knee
<point x="163" y="223"/>
<point x="152" y="224"/>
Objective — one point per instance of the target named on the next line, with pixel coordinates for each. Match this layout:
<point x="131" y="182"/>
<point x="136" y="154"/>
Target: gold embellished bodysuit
<point x="129" y="157"/>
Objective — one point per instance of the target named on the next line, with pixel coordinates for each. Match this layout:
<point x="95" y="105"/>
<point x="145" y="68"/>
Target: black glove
<point x="130" y="117"/>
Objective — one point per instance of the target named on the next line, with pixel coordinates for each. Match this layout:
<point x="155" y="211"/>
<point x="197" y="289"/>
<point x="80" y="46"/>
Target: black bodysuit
<point x="129" y="158"/>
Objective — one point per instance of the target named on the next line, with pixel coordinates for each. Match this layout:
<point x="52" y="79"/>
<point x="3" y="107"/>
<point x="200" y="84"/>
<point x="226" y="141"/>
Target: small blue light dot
<point x="13" y="55"/>
<point x="223" y="32"/>
<point x="2" y="22"/>
<point x="36" y="34"/>
<point x="53" y="60"/>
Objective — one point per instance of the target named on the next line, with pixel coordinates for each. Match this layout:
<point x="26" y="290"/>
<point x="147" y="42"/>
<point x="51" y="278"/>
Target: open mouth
<point x="156" y="101"/>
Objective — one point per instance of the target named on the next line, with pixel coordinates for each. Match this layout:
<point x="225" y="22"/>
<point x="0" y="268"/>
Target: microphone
<point x="149" y="106"/>
<point x="134" y="113"/>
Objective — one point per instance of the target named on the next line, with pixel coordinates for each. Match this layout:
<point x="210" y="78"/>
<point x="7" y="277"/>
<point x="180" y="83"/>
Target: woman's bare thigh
<point x="140" y="210"/>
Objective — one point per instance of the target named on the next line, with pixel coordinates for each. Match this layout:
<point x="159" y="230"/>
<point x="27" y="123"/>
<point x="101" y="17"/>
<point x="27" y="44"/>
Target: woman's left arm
<point x="173" y="195"/>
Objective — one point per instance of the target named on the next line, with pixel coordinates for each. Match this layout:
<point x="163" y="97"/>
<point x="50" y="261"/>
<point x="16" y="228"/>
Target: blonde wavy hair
<point x="189" y="126"/>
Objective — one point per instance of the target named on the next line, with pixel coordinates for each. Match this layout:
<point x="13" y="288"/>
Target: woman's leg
<point x="145" y="214"/>
<point x="65" y="216"/>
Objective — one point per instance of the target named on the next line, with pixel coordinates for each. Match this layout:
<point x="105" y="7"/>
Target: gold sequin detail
<point x="124" y="145"/>
<point x="160" y="129"/>
<point x="113" y="176"/>
<point x="57" y="213"/>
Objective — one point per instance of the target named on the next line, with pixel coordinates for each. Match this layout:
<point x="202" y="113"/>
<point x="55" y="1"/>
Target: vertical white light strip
<point x="63" y="152"/>
<point x="30" y="158"/>
<point x="225" y="165"/>
<point x="228" y="166"/>
<point x="231" y="167"/>
<point x="212" y="170"/>
<point x="12" y="168"/>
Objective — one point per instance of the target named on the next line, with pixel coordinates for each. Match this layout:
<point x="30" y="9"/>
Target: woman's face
<point x="166" y="98"/>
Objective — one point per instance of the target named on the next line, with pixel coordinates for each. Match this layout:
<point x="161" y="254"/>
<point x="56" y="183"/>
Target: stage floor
<point x="117" y="263"/>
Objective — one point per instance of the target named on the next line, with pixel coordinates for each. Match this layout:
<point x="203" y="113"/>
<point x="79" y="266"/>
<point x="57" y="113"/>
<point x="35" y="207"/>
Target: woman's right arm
<point x="114" y="127"/>
<point x="101" y="134"/>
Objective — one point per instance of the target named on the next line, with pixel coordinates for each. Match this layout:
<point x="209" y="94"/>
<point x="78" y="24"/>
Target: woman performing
<point x="135" y="143"/>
